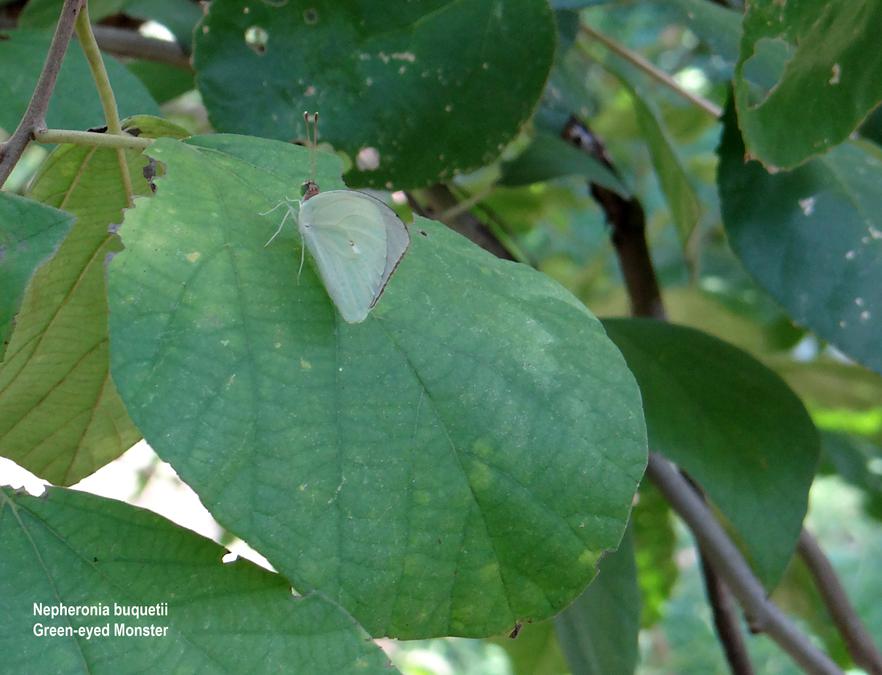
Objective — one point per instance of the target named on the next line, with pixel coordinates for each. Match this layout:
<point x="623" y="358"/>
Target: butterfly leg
<point x="289" y="212"/>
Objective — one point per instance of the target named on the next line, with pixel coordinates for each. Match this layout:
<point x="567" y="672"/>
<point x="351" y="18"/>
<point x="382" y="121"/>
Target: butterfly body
<point x="355" y="240"/>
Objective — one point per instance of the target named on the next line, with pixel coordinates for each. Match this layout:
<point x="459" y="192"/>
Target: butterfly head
<point x="309" y="189"/>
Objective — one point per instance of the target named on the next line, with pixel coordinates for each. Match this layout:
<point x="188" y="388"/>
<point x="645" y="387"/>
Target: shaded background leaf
<point x="733" y="425"/>
<point x="379" y="79"/>
<point x="780" y="224"/>
<point x="548" y="157"/>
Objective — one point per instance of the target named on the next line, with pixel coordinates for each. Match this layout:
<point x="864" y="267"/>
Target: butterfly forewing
<point x="356" y="242"/>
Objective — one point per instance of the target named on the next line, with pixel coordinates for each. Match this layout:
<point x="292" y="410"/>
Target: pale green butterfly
<point x="355" y="240"/>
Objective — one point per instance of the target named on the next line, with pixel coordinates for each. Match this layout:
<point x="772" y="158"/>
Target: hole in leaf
<point x="766" y="66"/>
<point x="368" y="159"/>
<point x="256" y="39"/>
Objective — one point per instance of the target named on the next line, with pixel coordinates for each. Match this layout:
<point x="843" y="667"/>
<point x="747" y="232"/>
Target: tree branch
<point x="725" y="618"/>
<point x="730" y="564"/>
<point x="34" y="118"/>
<point x="857" y="639"/>
<point x="628" y="222"/>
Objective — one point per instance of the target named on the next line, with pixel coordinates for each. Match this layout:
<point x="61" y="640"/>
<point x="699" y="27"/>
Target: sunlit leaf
<point x="60" y="415"/>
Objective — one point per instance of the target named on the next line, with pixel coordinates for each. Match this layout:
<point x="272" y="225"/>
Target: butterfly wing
<point x="348" y="235"/>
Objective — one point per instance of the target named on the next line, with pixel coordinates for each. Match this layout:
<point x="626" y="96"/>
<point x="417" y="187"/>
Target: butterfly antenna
<point x="311" y="140"/>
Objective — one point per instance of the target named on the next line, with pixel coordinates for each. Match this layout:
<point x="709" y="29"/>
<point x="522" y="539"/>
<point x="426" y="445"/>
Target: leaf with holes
<point x="29" y="234"/>
<point x="60" y="415"/>
<point x="79" y="550"/>
<point x="828" y="85"/>
<point x="379" y="79"/>
<point x="812" y="238"/>
<point x="733" y="425"/>
<point x="454" y="464"/>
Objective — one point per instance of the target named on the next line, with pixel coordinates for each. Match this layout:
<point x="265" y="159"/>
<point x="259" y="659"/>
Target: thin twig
<point x="34" y="118"/>
<point x="857" y="640"/>
<point x="651" y="70"/>
<point x="123" y="140"/>
<point x="105" y="93"/>
<point x="730" y="564"/>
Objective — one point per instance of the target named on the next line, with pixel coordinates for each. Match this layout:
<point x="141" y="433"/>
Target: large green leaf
<point x="432" y="88"/>
<point x="74" y="103"/>
<point x="812" y="237"/>
<point x="829" y="84"/>
<point x="733" y="425"/>
<point x="29" y="234"/>
<point x="454" y="464"/>
<point x="60" y="415"/>
<point x="77" y="550"/>
<point x="598" y="632"/>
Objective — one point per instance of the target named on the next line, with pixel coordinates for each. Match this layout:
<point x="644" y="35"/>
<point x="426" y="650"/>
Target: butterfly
<point x="355" y="240"/>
